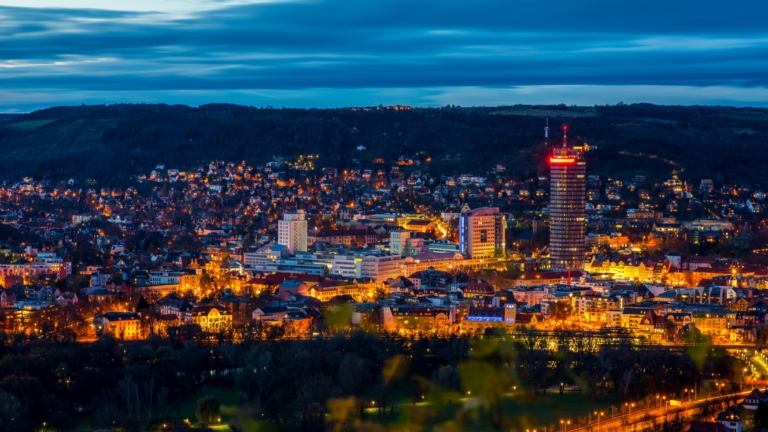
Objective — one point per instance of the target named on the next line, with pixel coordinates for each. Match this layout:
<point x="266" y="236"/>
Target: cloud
<point x="170" y="7"/>
<point x="332" y="51"/>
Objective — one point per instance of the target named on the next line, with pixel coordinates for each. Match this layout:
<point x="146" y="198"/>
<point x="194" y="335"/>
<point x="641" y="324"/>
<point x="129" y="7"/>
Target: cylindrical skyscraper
<point x="566" y="208"/>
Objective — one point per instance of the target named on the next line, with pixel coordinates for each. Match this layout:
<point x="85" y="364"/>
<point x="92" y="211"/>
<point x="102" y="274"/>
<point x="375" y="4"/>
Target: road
<point x="635" y="420"/>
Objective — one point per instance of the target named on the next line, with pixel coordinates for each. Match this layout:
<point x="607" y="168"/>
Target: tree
<point x="12" y="417"/>
<point x="208" y="410"/>
<point x="670" y="330"/>
<point x="447" y="379"/>
<point x="162" y="399"/>
<point x="312" y="397"/>
<point x="560" y="311"/>
<point x="379" y="293"/>
<point x="107" y="415"/>
<point x="353" y="377"/>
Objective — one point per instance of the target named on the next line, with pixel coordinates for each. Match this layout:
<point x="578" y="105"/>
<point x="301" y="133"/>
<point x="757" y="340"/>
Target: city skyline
<point x="316" y="215"/>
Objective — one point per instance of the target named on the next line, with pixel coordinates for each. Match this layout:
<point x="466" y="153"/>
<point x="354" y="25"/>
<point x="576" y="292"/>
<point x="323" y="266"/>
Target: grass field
<point x="30" y="125"/>
<point x="541" y="410"/>
<point x="227" y="398"/>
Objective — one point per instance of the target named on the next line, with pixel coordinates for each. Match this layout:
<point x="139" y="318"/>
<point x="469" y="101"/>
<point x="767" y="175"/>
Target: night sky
<point x="337" y="53"/>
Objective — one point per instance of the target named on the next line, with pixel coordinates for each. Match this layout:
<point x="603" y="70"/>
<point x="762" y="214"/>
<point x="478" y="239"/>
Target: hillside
<point x="108" y="143"/>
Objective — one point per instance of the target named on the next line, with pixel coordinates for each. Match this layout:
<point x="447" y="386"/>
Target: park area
<point x="523" y="407"/>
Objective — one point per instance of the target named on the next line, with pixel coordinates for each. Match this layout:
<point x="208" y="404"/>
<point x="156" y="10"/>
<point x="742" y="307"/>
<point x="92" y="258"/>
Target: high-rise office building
<point x="292" y="231"/>
<point x="481" y="233"/>
<point x="398" y="242"/>
<point x="566" y="208"/>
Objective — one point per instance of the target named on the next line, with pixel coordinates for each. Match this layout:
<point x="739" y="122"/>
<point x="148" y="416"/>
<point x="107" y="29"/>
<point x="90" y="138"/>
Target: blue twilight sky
<point x="329" y="53"/>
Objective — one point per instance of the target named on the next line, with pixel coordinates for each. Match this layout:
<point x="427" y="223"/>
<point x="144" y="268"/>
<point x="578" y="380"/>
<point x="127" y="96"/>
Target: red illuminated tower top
<point x="564" y="155"/>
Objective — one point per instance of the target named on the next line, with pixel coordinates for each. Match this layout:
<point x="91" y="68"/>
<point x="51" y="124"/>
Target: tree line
<point x="346" y="382"/>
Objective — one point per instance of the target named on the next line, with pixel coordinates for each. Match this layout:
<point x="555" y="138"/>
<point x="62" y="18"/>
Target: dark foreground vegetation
<point x="357" y="381"/>
<point x="109" y="143"/>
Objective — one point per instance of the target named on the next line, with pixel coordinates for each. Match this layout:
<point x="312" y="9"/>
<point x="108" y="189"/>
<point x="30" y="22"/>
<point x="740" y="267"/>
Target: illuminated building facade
<point x="292" y="231"/>
<point x="120" y="325"/>
<point x="481" y="233"/>
<point x="29" y="271"/>
<point x="566" y="208"/>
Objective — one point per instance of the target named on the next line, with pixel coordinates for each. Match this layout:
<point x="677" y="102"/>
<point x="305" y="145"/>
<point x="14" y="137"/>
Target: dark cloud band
<point x="344" y="44"/>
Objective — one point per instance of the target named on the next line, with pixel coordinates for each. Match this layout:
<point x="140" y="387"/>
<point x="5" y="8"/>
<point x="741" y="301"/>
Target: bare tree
<point x="352" y="377"/>
<point x="625" y="381"/>
<point x="149" y="391"/>
<point x="162" y="399"/>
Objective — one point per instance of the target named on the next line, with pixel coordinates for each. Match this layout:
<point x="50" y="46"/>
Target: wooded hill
<point x="108" y="143"/>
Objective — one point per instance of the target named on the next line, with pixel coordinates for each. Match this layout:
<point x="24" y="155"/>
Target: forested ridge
<point x="109" y="143"/>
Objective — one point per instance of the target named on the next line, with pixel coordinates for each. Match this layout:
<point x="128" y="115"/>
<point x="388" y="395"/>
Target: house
<point x="7" y="297"/>
<point x="100" y="295"/>
<point x="326" y="290"/>
<point x="293" y="286"/>
<point x="420" y="225"/>
<point x="531" y="320"/>
<point x="120" y="325"/>
<point x="479" y="319"/>
<point x="652" y="326"/>
<point x="711" y="322"/>
<point x="531" y="279"/>
<point x="67" y="299"/>
<point x="273" y="314"/>
<point x="698" y="426"/>
<point x="631" y="317"/>
<point x="212" y="319"/>
<point x="416" y="319"/>
<point x="735" y="418"/>
<point x="173" y="305"/>
<point x="753" y="399"/>
<point x="476" y="289"/>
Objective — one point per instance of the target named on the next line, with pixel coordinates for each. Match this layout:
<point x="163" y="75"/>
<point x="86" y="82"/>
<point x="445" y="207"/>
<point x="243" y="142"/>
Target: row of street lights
<point x="690" y="393"/>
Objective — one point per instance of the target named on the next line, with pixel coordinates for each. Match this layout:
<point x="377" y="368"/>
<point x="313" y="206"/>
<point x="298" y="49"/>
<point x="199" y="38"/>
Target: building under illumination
<point x="481" y="233"/>
<point x="292" y="231"/>
<point x="566" y="208"/>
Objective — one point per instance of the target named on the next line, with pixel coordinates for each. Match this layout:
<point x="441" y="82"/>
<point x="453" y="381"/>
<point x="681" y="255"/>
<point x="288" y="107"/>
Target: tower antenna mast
<point x="565" y="136"/>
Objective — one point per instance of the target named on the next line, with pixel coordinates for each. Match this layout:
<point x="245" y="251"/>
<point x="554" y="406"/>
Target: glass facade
<point x="566" y="209"/>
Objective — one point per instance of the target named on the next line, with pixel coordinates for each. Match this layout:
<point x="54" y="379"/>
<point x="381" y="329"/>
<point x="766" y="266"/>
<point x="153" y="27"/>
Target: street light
<point x="630" y="406"/>
<point x="744" y="373"/>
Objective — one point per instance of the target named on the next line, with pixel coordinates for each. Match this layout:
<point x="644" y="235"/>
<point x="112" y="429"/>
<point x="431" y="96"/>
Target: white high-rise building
<point x="292" y="231"/>
<point x="398" y="242"/>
